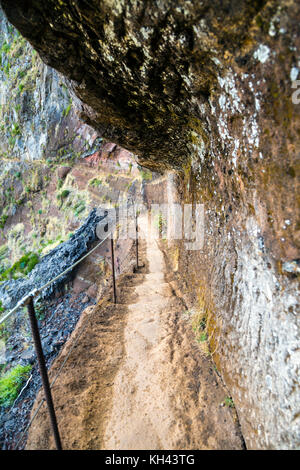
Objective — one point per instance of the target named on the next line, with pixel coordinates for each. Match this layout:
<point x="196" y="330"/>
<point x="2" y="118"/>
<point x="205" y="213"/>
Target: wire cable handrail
<point x="83" y="329"/>
<point x="35" y="292"/>
<point x="28" y="301"/>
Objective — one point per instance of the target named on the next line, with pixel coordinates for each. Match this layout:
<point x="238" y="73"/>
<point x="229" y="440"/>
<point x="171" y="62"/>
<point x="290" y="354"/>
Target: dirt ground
<point x="136" y="378"/>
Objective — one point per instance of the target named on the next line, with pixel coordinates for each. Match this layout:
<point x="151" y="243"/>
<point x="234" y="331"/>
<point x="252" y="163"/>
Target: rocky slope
<point x="207" y="89"/>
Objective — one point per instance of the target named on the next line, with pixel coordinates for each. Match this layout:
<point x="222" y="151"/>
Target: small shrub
<point x="23" y="266"/>
<point x="15" y="129"/>
<point x="11" y="383"/>
<point x="79" y="207"/>
<point x="228" y="401"/>
<point x="95" y="182"/>
<point x="64" y="194"/>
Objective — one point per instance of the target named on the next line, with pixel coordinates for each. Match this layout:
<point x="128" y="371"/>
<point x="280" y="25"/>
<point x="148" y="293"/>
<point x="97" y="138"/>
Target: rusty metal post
<point x="137" y="240"/>
<point x="113" y="269"/>
<point x="43" y="371"/>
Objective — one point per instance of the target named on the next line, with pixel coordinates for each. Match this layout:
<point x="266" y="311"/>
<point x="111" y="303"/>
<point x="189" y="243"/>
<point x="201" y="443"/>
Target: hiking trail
<point x="137" y="378"/>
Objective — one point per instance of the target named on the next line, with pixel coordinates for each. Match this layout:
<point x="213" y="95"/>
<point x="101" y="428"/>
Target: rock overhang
<point x="141" y="69"/>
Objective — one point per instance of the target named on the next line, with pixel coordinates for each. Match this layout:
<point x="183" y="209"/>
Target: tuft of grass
<point x="199" y="326"/>
<point x="3" y="219"/>
<point x="67" y="109"/>
<point x="78" y="208"/>
<point x="11" y="383"/>
<point x="95" y="182"/>
<point x="146" y="175"/>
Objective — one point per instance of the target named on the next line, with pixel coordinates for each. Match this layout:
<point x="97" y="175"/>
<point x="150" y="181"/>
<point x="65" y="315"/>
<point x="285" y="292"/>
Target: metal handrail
<point x="35" y="292"/>
<point x="28" y="300"/>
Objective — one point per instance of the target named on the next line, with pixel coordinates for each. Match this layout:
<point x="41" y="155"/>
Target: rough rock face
<point x="37" y="115"/>
<point x="208" y="89"/>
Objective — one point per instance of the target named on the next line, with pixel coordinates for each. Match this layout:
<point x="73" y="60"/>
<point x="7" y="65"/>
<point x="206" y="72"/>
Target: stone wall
<point x="251" y="314"/>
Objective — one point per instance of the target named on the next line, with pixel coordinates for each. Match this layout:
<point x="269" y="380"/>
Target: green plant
<point x="64" y="194"/>
<point x="95" y="182"/>
<point x="228" y="401"/>
<point x="67" y="109"/>
<point x="202" y="337"/>
<point x="79" y="207"/>
<point x="3" y="219"/>
<point x="11" y="382"/>
<point x="4" y="332"/>
<point x="15" y="129"/>
<point x="59" y="183"/>
<point x="5" y="47"/>
<point x="3" y="251"/>
<point x="6" y="69"/>
<point x="11" y="141"/>
<point x="23" y="266"/>
<point x="1" y="307"/>
<point x="146" y="174"/>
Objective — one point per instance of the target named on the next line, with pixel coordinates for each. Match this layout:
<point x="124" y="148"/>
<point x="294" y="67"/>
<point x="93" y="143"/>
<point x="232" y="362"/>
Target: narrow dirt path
<point x="165" y="394"/>
<point x="137" y="379"/>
